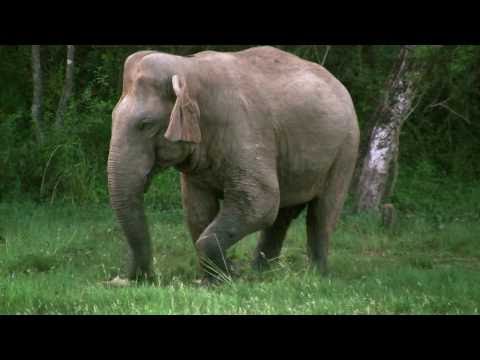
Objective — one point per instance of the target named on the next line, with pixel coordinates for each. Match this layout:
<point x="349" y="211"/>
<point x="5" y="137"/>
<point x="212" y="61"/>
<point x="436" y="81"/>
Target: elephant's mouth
<point x="149" y="177"/>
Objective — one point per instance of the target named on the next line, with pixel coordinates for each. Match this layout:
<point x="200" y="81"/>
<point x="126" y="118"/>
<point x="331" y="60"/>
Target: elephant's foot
<point x="261" y="263"/>
<point x="320" y="267"/>
<point x="207" y="282"/>
<point x="216" y="275"/>
<point x="216" y="267"/>
<point x="143" y="278"/>
<point x="142" y="274"/>
<point x="120" y="282"/>
<point x="213" y="280"/>
<point x="117" y="282"/>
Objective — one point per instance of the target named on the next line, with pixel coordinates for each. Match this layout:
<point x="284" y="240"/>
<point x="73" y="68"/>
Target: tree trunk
<point x="37" y="100"/>
<point x="376" y="177"/>
<point x="67" y="87"/>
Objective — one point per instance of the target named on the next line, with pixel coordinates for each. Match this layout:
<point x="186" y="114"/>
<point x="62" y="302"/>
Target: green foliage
<point x="70" y="162"/>
<point x="444" y="128"/>
<point x="442" y="132"/>
<point x="424" y="190"/>
<point x="16" y="80"/>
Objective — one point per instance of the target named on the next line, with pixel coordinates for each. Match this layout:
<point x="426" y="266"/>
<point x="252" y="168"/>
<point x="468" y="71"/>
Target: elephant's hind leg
<point x="324" y="211"/>
<point x="271" y="239"/>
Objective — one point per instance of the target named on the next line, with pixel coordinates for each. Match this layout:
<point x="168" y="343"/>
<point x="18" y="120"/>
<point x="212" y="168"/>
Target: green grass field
<point x="54" y="260"/>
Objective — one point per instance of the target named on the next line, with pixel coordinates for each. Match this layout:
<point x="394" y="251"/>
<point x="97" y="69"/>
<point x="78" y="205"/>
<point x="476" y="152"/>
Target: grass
<point x="55" y="258"/>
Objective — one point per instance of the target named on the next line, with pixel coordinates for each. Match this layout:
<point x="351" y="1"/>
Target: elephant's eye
<point x="145" y="125"/>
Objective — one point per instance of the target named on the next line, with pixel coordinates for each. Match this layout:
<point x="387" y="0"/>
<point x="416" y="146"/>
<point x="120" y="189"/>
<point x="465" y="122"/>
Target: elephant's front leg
<point x="200" y="206"/>
<point x="237" y="218"/>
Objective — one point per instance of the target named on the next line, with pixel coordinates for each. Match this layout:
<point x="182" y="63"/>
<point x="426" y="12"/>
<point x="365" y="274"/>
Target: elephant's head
<point x="155" y="125"/>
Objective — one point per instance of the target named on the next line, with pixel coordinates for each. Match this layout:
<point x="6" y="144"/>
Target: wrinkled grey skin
<point x="267" y="132"/>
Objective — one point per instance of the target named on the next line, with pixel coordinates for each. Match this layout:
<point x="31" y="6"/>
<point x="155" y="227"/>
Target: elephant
<point x="257" y="136"/>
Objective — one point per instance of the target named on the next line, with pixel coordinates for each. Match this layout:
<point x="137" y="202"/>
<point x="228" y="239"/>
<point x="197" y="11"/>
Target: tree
<point x="37" y="101"/>
<point x="67" y="87"/>
<point x="379" y="167"/>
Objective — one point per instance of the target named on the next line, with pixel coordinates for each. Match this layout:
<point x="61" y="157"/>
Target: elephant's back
<point x="275" y="65"/>
<point x="267" y="63"/>
<point x="312" y="113"/>
<point x="271" y="74"/>
<point x="287" y="79"/>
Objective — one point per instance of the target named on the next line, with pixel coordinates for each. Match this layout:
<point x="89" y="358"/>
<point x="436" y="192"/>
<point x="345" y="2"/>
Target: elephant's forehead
<point x="132" y="107"/>
<point x="124" y="107"/>
<point x="127" y="110"/>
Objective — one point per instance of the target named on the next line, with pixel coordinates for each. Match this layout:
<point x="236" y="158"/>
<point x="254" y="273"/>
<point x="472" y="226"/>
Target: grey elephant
<point x="258" y="135"/>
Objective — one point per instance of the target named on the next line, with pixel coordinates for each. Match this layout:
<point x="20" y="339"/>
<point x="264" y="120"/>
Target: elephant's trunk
<point x="126" y="187"/>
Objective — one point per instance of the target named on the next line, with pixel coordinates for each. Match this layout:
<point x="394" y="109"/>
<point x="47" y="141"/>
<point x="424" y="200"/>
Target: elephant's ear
<point x="184" y="119"/>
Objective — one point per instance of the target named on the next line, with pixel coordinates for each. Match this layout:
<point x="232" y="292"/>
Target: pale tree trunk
<point x="67" y="87"/>
<point x="37" y="100"/>
<point x="378" y="172"/>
